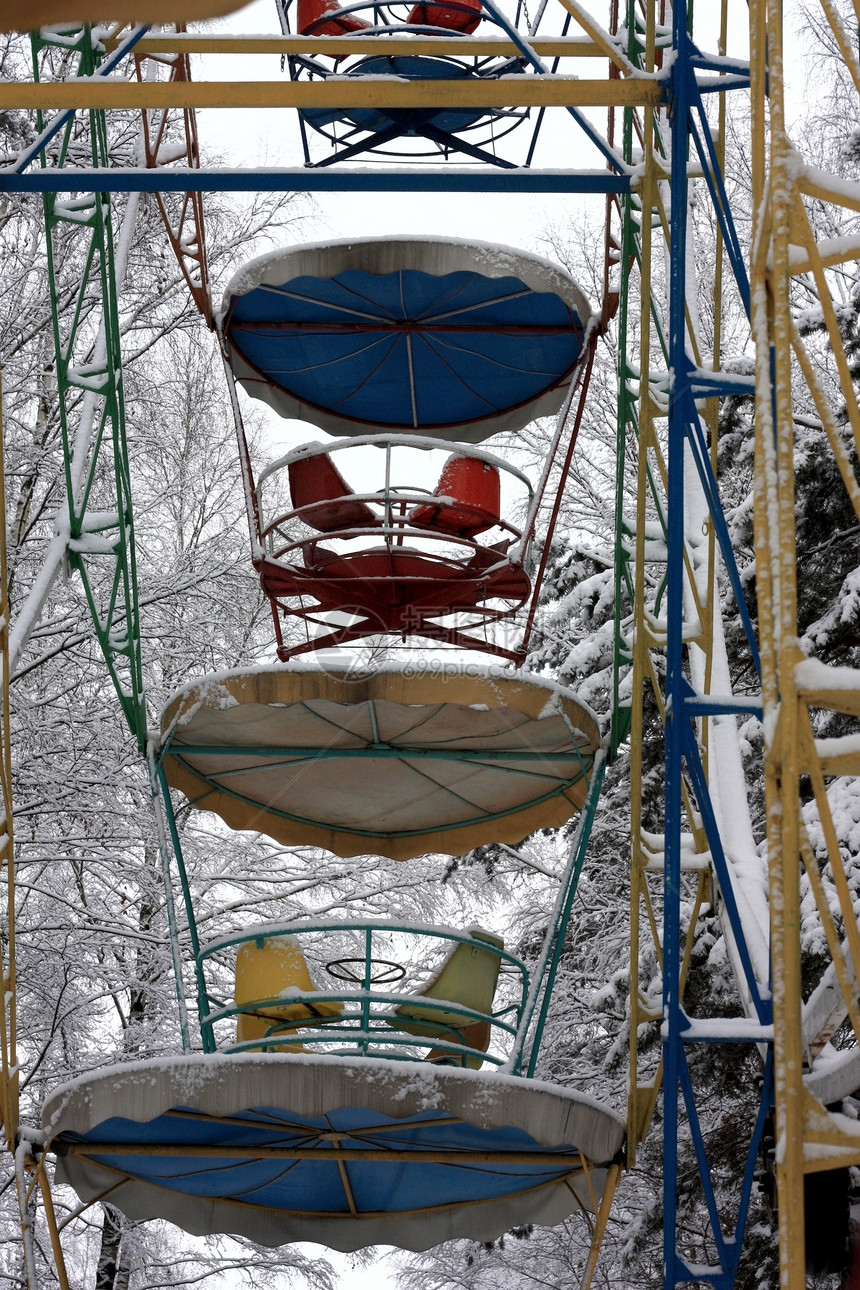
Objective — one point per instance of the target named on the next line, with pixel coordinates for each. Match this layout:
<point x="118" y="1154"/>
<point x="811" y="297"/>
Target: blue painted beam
<point x="706" y="706"/>
<point x="719" y="84"/>
<point x="705" y="386"/>
<point x="223" y="180"/>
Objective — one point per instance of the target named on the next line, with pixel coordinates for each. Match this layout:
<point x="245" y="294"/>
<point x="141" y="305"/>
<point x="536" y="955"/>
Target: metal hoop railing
<point x="371" y="1021"/>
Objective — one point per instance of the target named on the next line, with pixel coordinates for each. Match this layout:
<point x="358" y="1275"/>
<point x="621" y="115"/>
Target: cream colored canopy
<point x="388" y="763"/>
<point x="29" y="15"/>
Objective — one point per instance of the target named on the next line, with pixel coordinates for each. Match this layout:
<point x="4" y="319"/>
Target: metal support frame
<point x="670" y="640"/>
<point x="673" y="606"/>
<point x="185" y="227"/>
<point x="553" y="949"/>
<point x="368" y="1028"/>
<point x="525" y="90"/>
<point x="313" y="608"/>
<point x="95" y="538"/>
<point x="535" y="1004"/>
<point x="99" y="541"/>
<point x="348" y="138"/>
<point x="789" y="247"/>
<point x="540" y="87"/>
<point x="215" y="179"/>
<point x="683" y="756"/>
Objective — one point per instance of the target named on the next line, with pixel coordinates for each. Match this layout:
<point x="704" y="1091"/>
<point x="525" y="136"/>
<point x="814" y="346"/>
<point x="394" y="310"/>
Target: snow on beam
<point x="829" y="188"/>
<point x="492" y="46"/>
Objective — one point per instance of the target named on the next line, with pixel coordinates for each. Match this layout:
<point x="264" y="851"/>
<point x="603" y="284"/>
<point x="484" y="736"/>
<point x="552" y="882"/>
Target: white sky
<point x="377" y="1275"/>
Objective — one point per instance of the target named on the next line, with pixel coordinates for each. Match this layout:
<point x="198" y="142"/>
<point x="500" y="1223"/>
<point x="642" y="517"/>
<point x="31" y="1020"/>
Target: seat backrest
<point x="267" y="969"/>
<point x="461" y="15"/>
<point x="473" y="488"/>
<point x="317" y="480"/>
<point x="477" y="1035"/>
<point x="311" y="11"/>
<point x="469" y="976"/>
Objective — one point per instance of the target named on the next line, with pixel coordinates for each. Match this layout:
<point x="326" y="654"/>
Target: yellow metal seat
<point x="269" y="969"/>
<point x="468" y="976"/>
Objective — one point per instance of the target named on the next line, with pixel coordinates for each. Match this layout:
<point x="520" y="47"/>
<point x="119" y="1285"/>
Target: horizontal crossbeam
<point x="480" y="755"/>
<point x="303" y="180"/>
<point x="554" y="1162"/>
<point x="344" y="46"/>
<point x="364" y="92"/>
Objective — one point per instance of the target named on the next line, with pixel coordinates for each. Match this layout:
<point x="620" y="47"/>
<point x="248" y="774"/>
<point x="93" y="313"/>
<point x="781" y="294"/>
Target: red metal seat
<point x="404" y="573"/>
<point x="317" y="484"/>
<point x="472" y="486"/>
<point x="310" y="13"/>
<point x="462" y="15"/>
<point x="386" y="576"/>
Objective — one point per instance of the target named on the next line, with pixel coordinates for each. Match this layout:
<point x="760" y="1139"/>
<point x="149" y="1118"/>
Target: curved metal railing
<point x="373" y="1018"/>
<point x="389" y="502"/>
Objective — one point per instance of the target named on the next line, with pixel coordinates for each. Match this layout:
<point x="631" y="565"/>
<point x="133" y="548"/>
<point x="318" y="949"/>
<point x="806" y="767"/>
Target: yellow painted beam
<point x="839" y="1158"/>
<point x="364" y="92"/>
<point x="822" y="1130"/>
<point x="342" y="46"/>
<point x="774" y="174"/>
<point x="814" y="183"/>
<point x="839" y="764"/>
<point x="572" y="1161"/>
<point x="827" y="259"/>
<point x="836" y="700"/>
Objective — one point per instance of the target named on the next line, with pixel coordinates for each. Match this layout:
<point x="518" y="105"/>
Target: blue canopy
<point x="349" y="1152"/>
<point x="432" y="337"/>
<point x="265" y="1174"/>
<point x="407" y="120"/>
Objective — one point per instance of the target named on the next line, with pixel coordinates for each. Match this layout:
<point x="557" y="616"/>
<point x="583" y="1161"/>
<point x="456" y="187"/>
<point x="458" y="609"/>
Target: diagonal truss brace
<point x="96" y="539"/>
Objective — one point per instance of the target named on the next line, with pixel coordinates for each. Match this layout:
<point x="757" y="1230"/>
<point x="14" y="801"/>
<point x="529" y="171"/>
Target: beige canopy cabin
<point x="29" y="15"/>
<point x="394" y="763"/>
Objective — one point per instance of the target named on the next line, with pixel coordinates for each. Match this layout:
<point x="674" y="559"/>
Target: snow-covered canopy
<point x="391" y="762"/>
<point x="150" y="1134"/>
<point x="437" y="336"/>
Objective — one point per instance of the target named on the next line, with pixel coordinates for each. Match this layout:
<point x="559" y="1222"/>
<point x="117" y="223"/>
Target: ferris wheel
<point x="358" y="1081"/>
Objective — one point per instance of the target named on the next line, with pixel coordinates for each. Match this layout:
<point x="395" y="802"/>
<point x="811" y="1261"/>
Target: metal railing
<point x="391" y="503"/>
<point x="372" y="1020"/>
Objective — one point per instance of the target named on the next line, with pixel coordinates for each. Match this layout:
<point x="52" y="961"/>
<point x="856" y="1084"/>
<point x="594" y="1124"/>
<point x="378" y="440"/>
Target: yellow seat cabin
<point x="272" y="968"/>
<point x="468" y="976"/>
